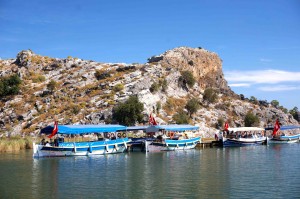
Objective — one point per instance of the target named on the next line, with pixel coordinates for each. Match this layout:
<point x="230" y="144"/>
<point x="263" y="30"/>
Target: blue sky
<point x="258" y="41"/>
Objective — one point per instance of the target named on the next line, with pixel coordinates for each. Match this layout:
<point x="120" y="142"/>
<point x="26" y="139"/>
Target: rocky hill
<point x="85" y="91"/>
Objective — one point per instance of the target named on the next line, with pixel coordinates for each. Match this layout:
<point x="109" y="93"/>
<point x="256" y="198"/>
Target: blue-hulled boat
<point x="105" y="146"/>
<point x="283" y="138"/>
<point x="172" y="137"/>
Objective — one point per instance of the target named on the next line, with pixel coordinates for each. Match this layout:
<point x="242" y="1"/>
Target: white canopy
<point x="246" y="129"/>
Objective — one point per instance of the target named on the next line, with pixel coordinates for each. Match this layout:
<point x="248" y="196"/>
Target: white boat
<point x="98" y="147"/>
<point x="169" y="138"/>
<point x="241" y="136"/>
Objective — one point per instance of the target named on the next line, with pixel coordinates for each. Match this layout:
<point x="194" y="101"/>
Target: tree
<point x="10" y="85"/>
<point x="188" y="78"/>
<point x="253" y="100"/>
<point x="294" y="113"/>
<point x="164" y="84"/>
<point x="129" y="112"/>
<point x="181" y="117"/>
<point x="220" y="123"/>
<point x="154" y="87"/>
<point x="192" y="106"/>
<point x="275" y="103"/>
<point x="251" y="120"/>
<point x="158" y="106"/>
<point x="52" y="85"/>
<point x="210" y="95"/>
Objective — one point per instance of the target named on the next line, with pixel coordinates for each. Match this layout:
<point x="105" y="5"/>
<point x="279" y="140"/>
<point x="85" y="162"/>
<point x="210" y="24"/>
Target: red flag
<point x="54" y="131"/>
<point x="226" y="126"/>
<point x="276" y="128"/>
<point x="152" y="120"/>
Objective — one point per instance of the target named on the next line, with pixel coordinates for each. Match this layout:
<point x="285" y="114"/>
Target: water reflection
<point x="248" y="172"/>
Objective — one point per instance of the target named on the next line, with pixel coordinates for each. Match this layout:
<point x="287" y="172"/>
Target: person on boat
<point x="43" y="141"/>
<point x="56" y="142"/>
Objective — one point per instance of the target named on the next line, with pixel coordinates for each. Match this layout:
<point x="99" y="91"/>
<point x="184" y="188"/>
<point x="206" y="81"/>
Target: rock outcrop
<point x="86" y="91"/>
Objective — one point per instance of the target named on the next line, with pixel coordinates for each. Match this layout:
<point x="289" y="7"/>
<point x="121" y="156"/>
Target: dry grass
<point x="173" y="105"/>
<point x="15" y="144"/>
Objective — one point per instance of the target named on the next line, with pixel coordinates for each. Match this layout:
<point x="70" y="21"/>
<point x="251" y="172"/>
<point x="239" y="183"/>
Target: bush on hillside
<point x="210" y="95"/>
<point x="251" y="120"/>
<point x="181" y="117"/>
<point x="10" y="85"/>
<point x="188" y="78"/>
<point x="192" y="106"/>
<point x="129" y="112"/>
<point x="52" y="85"/>
<point x="118" y="87"/>
<point x="154" y="87"/>
<point x="294" y="113"/>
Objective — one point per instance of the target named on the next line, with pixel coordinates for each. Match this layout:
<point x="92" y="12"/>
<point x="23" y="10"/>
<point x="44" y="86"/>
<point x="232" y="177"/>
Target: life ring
<point x="171" y="135"/>
<point x="108" y="135"/>
<point x="119" y="135"/>
<point x="124" y="135"/>
<point x="112" y="135"/>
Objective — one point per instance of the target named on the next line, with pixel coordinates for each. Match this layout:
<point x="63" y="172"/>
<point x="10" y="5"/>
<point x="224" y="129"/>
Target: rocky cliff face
<point x="87" y="91"/>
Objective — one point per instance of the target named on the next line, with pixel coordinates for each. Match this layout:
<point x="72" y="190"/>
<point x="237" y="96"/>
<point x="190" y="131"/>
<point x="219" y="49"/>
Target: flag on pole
<point x="226" y="126"/>
<point x="54" y="131"/>
<point x="152" y="120"/>
<point x="276" y="128"/>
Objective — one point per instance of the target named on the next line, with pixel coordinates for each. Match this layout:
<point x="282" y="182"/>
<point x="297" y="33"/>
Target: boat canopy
<point x="238" y="129"/>
<point x="82" y="129"/>
<point x="284" y="128"/>
<point x="175" y="127"/>
<point x="136" y="128"/>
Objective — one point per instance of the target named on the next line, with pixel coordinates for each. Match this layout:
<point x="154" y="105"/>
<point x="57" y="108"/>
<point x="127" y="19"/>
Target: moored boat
<point x="172" y="137"/>
<point x="98" y="147"/>
<point x="278" y="137"/>
<point x="241" y="136"/>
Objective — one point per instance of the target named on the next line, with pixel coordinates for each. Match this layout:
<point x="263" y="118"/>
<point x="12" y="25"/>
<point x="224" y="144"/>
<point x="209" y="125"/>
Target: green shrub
<point x="188" y="78"/>
<point x="210" y="95"/>
<point x="129" y="112"/>
<point x="220" y="123"/>
<point x="118" y="87"/>
<point x="158" y="106"/>
<point x="164" y="84"/>
<point x="52" y="85"/>
<point x="251" y="120"/>
<point x="39" y="78"/>
<point x="181" y="117"/>
<point x="100" y="74"/>
<point x="10" y="85"/>
<point x="192" y="106"/>
<point x="154" y="87"/>
<point x="294" y="113"/>
<point x="275" y="103"/>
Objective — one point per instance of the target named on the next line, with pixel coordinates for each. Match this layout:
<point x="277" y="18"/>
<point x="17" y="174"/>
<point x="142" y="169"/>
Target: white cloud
<point x="279" y="88"/>
<point x="240" y="85"/>
<point x="265" y="60"/>
<point x="262" y="76"/>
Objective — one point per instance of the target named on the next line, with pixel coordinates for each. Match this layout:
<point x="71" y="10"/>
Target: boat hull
<point x="81" y="148"/>
<point x="171" y="145"/>
<point x="227" y="142"/>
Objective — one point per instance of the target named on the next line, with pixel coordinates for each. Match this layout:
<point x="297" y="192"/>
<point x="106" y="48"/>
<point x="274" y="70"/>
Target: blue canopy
<point x="284" y="128"/>
<point x="175" y="127"/>
<point x="81" y="129"/>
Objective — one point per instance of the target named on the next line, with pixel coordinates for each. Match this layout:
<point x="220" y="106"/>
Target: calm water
<point x="249" y="172"/>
